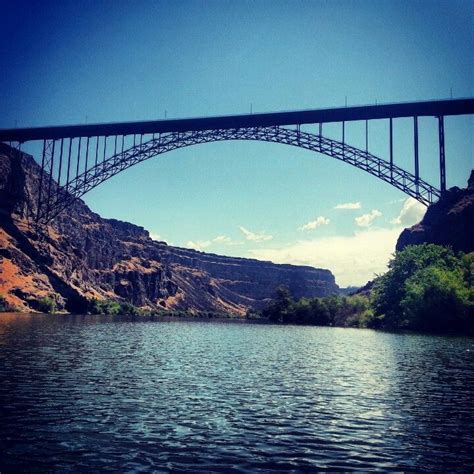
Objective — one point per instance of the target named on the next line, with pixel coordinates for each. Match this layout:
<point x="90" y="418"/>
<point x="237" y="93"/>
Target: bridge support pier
<point x="391" y="149"/>
<point x="417" y="163"/>
<point x="442" y="161"/>
<point x="343" y="138"/>
<point x="367" y="136"/>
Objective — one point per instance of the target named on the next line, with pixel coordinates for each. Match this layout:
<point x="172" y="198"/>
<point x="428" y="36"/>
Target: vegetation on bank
<point x="112" y="307"/>
<point x="43" y="305"/>
<point x="334" y="310"/>
<point x="46" y="305"/>
<point x="426" y="288"/>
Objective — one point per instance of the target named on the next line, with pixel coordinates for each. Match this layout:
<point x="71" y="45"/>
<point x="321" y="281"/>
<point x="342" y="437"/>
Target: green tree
<point x="112" y="307"/>
<point x="389" y="289"/>
<point x="354" y="311"/>
<point x="301" y="312"/>
<point x="321" y="315"/>
<point x="278" y="310"/>
<point x="128" y="308"/>
<point x="104" y="307"/>
<point x="427" y="287"/>
<point x="46" y="305"/>
<point x="436" y="300"/>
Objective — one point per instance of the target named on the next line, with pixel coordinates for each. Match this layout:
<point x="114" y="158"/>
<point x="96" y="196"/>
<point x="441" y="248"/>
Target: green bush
<point x="112" y="307"/>
<point x="279" y="310"/>
<point x="427" y="287"/>
<point x="331" y="310"/>
<point x="435" y="299"/>
<point x="46" y="305"/>
<point x="128" y="308"/>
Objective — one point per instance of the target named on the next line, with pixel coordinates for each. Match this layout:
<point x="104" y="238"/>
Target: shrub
<point x="436" y="299"/>
<point x="46" y="305"/>
<point x="128" y="308"/>
<point x="112" y="307"/>
<point x="427" y="287"/>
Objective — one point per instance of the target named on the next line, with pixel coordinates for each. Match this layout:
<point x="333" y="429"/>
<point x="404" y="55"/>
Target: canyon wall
<point x="450" y="221"/>
<point x="82" y="256"/>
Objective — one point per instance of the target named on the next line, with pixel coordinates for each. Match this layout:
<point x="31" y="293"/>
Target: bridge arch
<point x="165" y="142"/>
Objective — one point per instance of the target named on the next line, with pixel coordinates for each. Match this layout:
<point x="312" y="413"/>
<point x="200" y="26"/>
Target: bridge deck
<point x="434" y="108"/>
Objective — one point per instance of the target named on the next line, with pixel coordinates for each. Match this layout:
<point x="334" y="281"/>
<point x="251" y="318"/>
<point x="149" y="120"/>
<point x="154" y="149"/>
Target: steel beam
<point x="50" y="182"/>
<point x="415" y="141"/>
<point x="96" y="150"/>
<point x="442" y="160"/>
<point x="434" y="108"/>
<point x="87" y="154"/>
<point x="343" y="136"/>
<point x="366" y="136"/>
<point x="391" y="147"/>
<point x="399" y="178"/>
<point x="40" y="189"/>
<point x="69" y="163"/>
<point x="60" y="166"/>
<point x="78" y="157"/>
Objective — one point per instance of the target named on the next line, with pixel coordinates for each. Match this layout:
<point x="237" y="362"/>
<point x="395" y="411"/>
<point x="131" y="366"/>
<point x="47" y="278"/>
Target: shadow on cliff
<point x="74" y="301"/>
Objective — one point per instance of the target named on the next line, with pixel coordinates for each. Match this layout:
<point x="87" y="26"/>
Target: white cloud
<point x="348" y="205"/>
<point x="255" y="236"/>
<point x="221" y="239"/>
<point x="199" y="245"/>
<point x="202" y="244"/>
<point x="411" y="213"/>
<point x="311" y="225"/>
<point x="156" y="237"/>
<point x="395" y="201"/>
<point x="353" y="260"/>
<point x="366" y="220"/>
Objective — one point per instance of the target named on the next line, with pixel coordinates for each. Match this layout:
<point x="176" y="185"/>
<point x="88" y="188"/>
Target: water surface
<point x="113" y="393"/>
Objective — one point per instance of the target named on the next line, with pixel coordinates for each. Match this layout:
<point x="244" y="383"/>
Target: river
<point x="88" y="393"/>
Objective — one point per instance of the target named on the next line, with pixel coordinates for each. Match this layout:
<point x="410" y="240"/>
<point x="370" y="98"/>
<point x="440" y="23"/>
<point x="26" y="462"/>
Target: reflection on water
<point x="100" y="392"/>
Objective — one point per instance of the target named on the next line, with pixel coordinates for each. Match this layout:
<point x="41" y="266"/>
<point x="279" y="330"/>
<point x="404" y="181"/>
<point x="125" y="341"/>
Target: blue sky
<point x="76" y="62"/>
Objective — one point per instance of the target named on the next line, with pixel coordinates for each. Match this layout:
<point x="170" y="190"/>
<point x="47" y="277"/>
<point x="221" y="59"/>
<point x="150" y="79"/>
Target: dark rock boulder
<point x="450" y="221"/>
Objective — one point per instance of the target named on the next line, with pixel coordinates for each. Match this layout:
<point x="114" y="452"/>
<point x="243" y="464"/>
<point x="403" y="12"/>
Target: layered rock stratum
<point x="81" y="256"/>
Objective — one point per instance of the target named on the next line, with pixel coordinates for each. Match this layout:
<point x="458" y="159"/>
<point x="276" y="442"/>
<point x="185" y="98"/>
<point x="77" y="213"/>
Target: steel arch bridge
<point x="68" y="172"/>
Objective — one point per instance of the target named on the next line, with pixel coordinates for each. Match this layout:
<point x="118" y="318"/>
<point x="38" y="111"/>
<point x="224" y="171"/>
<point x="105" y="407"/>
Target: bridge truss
<point x="76" y="159"/>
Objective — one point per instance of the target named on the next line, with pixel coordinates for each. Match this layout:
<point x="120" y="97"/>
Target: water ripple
<point x="108" y="393"/>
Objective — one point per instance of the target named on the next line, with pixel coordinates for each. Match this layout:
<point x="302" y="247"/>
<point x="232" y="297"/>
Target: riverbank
<point x="144" y="317"/>
<point x="221" y="320"/>
<point x="428" y="288"/>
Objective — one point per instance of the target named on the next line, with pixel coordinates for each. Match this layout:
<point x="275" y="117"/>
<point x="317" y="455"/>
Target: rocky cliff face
<point x="450" y="221"/>
<point x="83" y="256"/>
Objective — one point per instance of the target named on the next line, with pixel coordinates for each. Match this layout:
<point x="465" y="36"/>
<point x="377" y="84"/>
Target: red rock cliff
<point x="83" y="256"/>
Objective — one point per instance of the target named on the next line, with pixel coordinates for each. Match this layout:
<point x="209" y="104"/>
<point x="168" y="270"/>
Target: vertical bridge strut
<point x="442" y="161"/>
<point x="417" y="163"/>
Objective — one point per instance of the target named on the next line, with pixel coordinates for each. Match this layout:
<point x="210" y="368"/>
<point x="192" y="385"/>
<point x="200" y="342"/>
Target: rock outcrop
<point x="82" y="256"/>
<point x="450" y="221"/>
